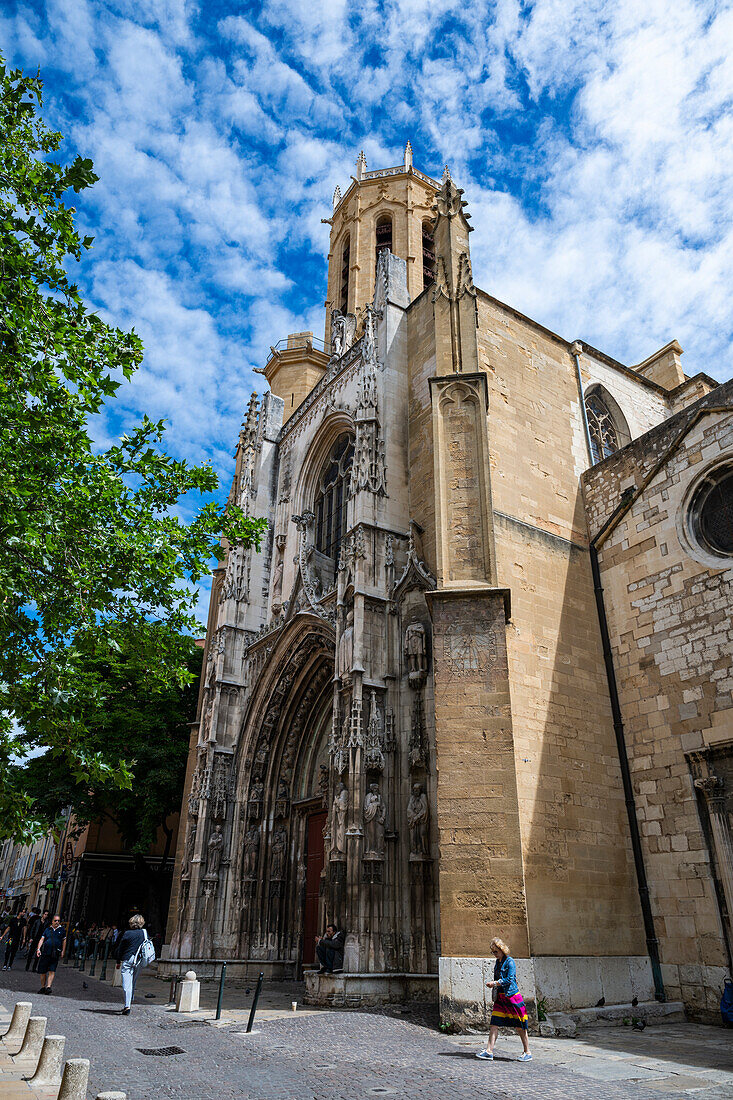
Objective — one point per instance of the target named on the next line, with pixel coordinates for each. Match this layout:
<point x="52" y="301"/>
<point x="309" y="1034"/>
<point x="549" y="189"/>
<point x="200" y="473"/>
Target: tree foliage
<point x="91" y="547"/>
<point x="150" y="730"/>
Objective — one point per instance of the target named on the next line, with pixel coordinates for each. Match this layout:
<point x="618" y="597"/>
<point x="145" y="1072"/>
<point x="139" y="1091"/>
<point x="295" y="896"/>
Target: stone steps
<point x="565" y="1024"/>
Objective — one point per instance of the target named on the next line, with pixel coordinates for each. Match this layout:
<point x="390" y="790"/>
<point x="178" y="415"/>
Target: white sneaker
<point x="486" y="1055"/>
<point x="526" y="1057"/>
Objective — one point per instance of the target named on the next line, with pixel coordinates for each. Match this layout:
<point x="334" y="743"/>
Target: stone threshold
<point x="351" y="989"/>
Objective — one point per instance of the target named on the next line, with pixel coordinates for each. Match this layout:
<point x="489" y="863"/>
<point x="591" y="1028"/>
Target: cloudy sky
<point x="593" y="139"/>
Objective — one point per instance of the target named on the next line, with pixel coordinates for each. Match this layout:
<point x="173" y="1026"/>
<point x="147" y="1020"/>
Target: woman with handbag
<point x="509" y="1009"/>
<point x="50" y="949"/>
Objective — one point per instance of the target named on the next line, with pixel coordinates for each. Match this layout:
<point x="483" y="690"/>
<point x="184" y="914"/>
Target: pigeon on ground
<point x="149" y="996"/>
<point x="84" y="985"/>
<point x="635" y="1001"/>
<point x="639" y="1025"/>
<point x="600" y="1004"/>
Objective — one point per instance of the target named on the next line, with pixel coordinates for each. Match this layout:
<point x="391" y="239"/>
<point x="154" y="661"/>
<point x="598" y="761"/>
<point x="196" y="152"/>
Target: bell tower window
<point x="332" y="496"/>
<point x="345" y="270"/>
<point x="384" y="236"/>
<point x="428" y="254"/>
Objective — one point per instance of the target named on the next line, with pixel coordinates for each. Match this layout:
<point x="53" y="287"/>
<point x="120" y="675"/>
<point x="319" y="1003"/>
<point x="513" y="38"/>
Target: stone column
<point x="713" y="788"/>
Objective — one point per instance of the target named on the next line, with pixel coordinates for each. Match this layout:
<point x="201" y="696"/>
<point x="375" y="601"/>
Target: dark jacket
<point x="128" y="944"/>
<point x="335" y="942"/>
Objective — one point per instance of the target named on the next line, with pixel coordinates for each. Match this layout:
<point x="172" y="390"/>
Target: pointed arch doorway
<point x="283" y="785"/>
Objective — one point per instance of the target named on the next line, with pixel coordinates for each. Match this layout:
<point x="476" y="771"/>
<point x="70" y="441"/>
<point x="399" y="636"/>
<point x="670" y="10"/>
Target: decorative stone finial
<point x="446" y="174"/>
<point x="408" y="155"/>
<point x="336" y="196"/>
<point x="361" y="164"/>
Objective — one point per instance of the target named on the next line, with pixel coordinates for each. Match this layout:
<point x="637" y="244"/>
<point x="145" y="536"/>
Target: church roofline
<point x="595" y="352"/>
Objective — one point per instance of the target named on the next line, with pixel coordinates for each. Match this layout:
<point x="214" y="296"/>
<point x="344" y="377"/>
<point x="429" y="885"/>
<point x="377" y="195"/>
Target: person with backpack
<point x="133" y="951"/>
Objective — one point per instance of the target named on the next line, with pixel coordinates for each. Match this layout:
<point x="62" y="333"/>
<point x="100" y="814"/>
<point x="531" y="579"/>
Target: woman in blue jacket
<point x="509" y="1009"/>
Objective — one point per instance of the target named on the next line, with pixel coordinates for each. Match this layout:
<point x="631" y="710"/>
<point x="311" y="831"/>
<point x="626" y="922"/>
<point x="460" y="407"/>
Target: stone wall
<point x="669" y="617"/>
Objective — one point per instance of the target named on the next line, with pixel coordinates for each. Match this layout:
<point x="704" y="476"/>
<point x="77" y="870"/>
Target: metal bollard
<point x="83" y="962"/>
<point x="221" y="990"/>
<point x="103" y="971"/>
<point x="251" y="1020"/>
<point x="94" y="959"/>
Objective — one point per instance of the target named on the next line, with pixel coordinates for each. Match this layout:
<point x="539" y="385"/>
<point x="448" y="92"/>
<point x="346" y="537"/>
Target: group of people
<point x="45" y="938"/>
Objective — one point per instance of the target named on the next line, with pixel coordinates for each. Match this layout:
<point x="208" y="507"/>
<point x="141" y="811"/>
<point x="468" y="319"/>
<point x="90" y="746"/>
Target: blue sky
<point x="594" y="142"/>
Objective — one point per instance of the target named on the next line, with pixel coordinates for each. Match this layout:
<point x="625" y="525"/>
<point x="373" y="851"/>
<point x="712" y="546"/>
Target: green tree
<point x="151" y="729"/>
<point x="91" y="549"/>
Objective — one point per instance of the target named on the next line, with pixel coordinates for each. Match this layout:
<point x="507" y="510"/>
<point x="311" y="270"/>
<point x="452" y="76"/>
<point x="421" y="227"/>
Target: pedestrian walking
<point x="12" y="936"/>
<point x="133" y="951"/>
<point x="50" y="949"/>
<point x="509" y="1009"/>
<point x="36" y="926"/>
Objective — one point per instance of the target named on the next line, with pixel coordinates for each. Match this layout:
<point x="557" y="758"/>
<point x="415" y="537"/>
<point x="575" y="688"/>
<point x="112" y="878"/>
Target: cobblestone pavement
<point x="361" y="1055"/>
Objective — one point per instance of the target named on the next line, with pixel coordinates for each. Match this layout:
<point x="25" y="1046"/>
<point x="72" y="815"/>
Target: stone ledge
<point x="349" y="990"/>
<point x="652" y="1012"/>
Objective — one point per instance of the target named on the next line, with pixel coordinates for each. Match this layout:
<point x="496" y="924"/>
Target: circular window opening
<point x="711" y="513"/>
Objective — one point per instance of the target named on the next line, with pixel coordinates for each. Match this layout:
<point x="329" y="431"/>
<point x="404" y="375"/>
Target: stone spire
<point x="454" y="295"/>
<point x="408" y="156"/>
<point x="336" y="196"/>
<point x="361" y="165"/>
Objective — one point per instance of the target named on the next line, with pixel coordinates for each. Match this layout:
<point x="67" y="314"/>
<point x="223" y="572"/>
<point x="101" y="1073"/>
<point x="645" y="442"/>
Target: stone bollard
<point x="75" y="1080"/>
<point x="111" y="1096"/>
<point x="21" y="1015"/>
<point x="187" y="994"/>
<point x="50" y="1064"/>
<point x="30" y="1051"/>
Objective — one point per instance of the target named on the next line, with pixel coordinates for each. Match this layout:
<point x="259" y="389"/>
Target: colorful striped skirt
<point x="509" y="1011"/>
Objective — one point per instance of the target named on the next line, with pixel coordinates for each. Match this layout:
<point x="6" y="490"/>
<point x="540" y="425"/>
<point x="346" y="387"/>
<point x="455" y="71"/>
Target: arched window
<point x="428" y="254"/>
<point x="345" y="270"/>
<point x="602" y="430"/>
<point x="384" y="236"/>
<point x="607" y="425"/>
<point x="333" y="491"/>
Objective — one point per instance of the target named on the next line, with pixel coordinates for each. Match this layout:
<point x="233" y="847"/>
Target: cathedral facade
<point x="477" y="680"/>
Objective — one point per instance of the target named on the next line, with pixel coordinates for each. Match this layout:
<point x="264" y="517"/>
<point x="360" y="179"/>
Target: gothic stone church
<point x="478" y="679"/>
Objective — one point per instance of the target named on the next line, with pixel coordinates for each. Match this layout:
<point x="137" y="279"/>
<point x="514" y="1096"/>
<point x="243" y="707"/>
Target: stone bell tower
<point x="392" y="208"/>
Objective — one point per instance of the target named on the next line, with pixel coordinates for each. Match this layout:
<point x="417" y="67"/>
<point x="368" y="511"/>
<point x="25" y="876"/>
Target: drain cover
<point x="161" y="1052"/>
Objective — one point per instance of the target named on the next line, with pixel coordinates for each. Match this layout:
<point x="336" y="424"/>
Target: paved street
<point x="359" y="1055"/>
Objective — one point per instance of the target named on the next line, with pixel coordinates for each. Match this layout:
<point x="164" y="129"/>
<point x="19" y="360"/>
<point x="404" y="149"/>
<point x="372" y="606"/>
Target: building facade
<point x="408" y="718"/>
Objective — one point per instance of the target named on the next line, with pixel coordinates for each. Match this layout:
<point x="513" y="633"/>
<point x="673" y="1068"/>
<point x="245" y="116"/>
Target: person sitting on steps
<point x="330" y="950"/>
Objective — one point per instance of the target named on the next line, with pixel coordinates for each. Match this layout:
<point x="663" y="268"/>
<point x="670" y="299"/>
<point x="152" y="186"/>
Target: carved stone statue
<point x="189" y="849"/>
<point x="323" y="782"/>
<point x="214" y="849"/>
<point x="375" y="817"/>
<point x="278" y="852"/>
<point x="343" y="331"/>
<point x="415" y="653"/>
<point x="418" y="815"/>
<point x="338" y="826"/>
<point x="251" y="852"/>
<point x="346" y="647"/>
<point x="220" y="792"/>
